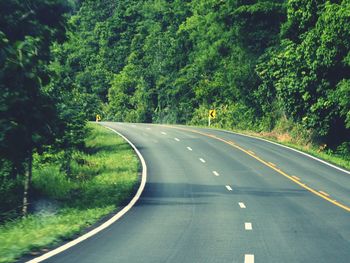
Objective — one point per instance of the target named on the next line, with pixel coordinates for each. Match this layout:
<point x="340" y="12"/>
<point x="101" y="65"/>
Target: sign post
<point x="212" y="115"/>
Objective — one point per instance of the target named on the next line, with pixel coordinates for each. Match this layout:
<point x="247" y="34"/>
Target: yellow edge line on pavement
<point x="233" y="144"/>
<point x="296" y="177"/>
<point x="324" y="193"/>
<point x="272" y="164"/>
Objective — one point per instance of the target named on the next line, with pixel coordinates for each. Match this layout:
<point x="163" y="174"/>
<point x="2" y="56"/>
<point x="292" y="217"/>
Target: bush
<point x="236" y="116"/>
<point x="51" y="182"/>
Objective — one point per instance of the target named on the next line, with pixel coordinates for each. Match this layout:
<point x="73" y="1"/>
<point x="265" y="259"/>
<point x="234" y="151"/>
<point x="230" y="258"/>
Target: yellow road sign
<point x="212" y="114"/>
<point x="98" y="118"/>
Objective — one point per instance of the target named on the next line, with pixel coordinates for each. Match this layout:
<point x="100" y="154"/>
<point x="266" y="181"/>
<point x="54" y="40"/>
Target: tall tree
<point x="27" y="113"/>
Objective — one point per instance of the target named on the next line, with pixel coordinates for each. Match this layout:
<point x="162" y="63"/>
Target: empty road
<point x="215" y="196"/>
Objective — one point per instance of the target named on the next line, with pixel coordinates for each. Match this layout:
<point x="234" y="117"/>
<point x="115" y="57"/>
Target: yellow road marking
<point x="296" y="177"/>
<point x="251" y="152"/>
<point x="229" y="142"/>
<point x="347" y="208"/>
<point x="324" y="193"/>
<point x="272" y="164"/>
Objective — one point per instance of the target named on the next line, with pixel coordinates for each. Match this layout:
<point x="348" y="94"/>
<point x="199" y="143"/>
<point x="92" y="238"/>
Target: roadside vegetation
<point x="278" y="68"/>
<point x="268" y="66"/>
<point x="103" y="176"/>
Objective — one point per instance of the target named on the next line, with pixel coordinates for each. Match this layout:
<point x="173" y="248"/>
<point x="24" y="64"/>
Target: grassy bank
<point x="102" y="176"/>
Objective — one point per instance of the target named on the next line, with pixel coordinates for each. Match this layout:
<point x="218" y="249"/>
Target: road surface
<point x="214" y="196"/>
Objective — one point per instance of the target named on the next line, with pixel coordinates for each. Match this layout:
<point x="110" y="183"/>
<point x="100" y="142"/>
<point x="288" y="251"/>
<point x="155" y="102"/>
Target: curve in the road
<point x="321" y="194"/>
<point x="207" y="200"/>
<point x="112" y="220"/>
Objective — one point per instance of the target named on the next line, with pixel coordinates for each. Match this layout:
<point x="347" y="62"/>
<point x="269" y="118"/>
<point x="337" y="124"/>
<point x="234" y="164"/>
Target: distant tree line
<point x="260" y="63"/>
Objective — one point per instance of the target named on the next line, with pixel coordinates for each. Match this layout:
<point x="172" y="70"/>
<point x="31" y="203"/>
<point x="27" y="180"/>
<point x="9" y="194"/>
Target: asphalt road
<point x="214" y="196"/>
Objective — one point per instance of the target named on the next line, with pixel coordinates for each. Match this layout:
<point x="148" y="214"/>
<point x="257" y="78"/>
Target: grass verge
<point x="102" y="177"/>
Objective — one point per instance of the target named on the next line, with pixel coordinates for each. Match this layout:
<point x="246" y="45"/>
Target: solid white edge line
<point x="216" y="173"/>
<point x="111" y="220"/>
<point x="202" y="160"/>
<point x="241" y="205"/>
<point x="290" y="148"/>
<point x="228" y="187"/>
<point x="189" y="148"/>
<point x="248" y="258"/>
<point x="248" y="226"/>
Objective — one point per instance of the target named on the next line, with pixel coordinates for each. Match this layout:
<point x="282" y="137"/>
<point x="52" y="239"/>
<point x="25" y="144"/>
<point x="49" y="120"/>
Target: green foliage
<point x="28" y="115"/>
<point x="10" y="190"/>
<point x="265" y="65"/>
<point x="308" y="75"/>
<point x="170" y="61"/>
<point x="230" y="115"/>
<point x="34" y="232"/>
<point x="94" y="172"/>
<point x="101" y="179"/>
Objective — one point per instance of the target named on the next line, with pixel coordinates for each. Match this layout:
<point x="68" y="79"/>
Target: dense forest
<point x="258" y="62"/>
<point x="262" y="64"/>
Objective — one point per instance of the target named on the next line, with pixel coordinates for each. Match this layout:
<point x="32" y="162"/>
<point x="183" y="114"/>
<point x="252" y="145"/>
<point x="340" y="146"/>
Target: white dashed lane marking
<point x="202" y="160"/>
<point x="177" y="139"/>
<point x="216" y="173"/>
<point x="228" y="188"/>
<point x="189" y="148"/>
<point x="248" y="258"/>
<point x="164" y="133"/>
<point x="241" y="205"/>
<point x="248" y="226"/>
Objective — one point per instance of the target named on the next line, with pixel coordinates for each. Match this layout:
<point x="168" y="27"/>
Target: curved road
<point x="215" y="196"/>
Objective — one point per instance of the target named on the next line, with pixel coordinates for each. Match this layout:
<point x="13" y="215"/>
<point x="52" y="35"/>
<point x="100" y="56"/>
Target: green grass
<point x="101" y="179"/>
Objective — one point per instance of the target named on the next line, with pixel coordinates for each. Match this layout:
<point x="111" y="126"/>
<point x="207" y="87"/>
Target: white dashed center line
<point x="248" y="258"/>
<point x="202" y="160"/>
<point x="241" y="205"/>
<point x="164" y="133"/>
<point x="177" y="139"/>
<point x="248" y="226"/>
<point x="189" y="148"/>
<point x="228" y="188"/>
<point x="216" y="173"/>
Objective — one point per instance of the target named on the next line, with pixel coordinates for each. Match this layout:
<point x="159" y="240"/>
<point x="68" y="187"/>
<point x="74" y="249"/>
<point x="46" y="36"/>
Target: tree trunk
<point x="27" y="183"/>
<point x="66" y="165"/>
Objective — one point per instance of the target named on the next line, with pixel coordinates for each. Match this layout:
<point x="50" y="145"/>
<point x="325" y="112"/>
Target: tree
<point x="27" y="113"/>
<point x="310" y="70"/>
